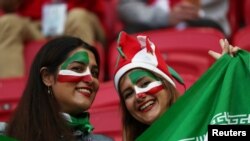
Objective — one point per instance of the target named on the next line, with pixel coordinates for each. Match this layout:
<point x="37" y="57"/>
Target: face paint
<point x="135" y="75"/>
<point x="71" y="76"/>
<point x="152" y="88"/>
<point x="81" y="56"/>
<point x="65" y="75"/>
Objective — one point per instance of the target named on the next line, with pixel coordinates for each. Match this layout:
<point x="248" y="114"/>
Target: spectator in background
<point x="217" y="10"/>
<point x="85" y="18"/>
<point x="21" y="21"/>
<point x="14" y="31"/>
<point x="141" y="15"/>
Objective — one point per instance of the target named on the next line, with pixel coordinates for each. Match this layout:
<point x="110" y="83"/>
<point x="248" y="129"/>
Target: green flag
<point x="5" y="138"/>
<point x="220" y="96"/>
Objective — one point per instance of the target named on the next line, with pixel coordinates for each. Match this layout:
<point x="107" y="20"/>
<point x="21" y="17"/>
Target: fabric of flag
<point x="220" y="96"/>
<point x="5" y="138"/>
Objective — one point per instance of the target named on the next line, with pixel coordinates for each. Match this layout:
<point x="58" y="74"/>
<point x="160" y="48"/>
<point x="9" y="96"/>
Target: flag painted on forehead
<point x="151" y="88"/>
<point x="220" y="97"/>
<point x="66" y="75"/>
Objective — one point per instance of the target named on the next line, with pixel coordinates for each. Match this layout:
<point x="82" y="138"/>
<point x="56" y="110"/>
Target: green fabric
<point x="80" y="122"/>
<point x="220" y="96"/>
<point x="5" y="138"/>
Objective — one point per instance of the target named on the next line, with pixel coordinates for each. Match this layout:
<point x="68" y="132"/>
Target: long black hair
<point x="37" y="116"/>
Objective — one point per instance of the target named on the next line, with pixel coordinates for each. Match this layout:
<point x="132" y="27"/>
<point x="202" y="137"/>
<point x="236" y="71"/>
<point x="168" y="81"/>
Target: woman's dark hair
<point x="37" y="116"/>
<point x="132" y="127"/>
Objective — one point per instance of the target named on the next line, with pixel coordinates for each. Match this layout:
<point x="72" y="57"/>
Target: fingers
<point x="214" y="54"/>
<point x="226" y="48"/>
<point x="231" y="53"/>
<point x="236" y="48"/>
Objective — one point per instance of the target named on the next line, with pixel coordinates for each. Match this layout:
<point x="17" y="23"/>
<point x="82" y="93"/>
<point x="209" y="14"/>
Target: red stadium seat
<point x="104" y="113"/>
<point x="10" y="92"/>
<point x="11" y="88"/>
<point x="185" y="50"/>
<point x="242" y="38"/>
<point x="114" y="24"/>
<point x="101" y="52"/>
<point x="111" y="60"/>
<point x="31" y="48"/>
<point x="246" y="11"/>
<point x="234" y="14"/>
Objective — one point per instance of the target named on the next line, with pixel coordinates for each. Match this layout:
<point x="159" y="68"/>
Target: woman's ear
<point x="47" y="78"/>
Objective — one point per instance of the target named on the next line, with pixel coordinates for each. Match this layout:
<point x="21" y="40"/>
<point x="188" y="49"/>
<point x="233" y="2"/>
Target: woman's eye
<point x="145" y="84"/>
<point x="77" y="69"/>
<point x="95" y="73"/>
<point x="128" y="94"/>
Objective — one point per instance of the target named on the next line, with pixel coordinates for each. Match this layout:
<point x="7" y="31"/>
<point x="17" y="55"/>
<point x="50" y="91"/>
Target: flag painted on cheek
<point x="220" y="97"/>
<point x="66" y="75"/>
<point x="151" y="88"/>
<point x="71" y="76"/>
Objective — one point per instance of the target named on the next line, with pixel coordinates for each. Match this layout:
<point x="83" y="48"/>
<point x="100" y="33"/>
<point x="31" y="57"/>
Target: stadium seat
<point x="10" y="92"/>
<point x="101" y="52"/>
<point x="111" y="60"/>
<point x="246" y="11"/>
<point x="112" y="21"/>
<point x="104" y="113"/>
<point x="31" y="48"/>
<point x="11" y="88"/>
<point x="242" y="38"/>
<point x="234" y="15"/>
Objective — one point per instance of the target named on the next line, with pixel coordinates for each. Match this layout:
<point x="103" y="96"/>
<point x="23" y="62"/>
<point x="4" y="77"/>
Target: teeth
<point x="84" y="90"/>
<point x="146" y="105"/>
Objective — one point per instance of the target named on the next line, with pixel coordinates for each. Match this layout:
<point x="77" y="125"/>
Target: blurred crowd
<point x="21" y="21"/>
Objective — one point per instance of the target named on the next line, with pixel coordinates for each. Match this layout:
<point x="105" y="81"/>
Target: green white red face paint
<point x="66" y="75"/>
<point x="152" y="88"/>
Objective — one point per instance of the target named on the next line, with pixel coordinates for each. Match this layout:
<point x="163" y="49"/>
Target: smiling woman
<point x="151" y="95"/>
<point x="62" y="85"/>
<point x="145" y="83"/>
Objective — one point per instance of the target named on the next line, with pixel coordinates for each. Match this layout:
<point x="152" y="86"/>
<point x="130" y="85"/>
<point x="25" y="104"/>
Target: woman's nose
<point x="140" y="96"/>
<point x="87" y="78"/>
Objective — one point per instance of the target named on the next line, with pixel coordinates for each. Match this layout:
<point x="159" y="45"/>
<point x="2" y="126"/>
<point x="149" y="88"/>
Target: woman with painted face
<point x="62" y="85"/>
<point x="145" y="84"/>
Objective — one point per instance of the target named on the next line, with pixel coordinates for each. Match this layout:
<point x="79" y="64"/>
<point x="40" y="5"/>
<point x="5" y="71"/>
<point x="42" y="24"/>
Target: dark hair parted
<point x="132" y="127"/>
<point x="37" y="116"/>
